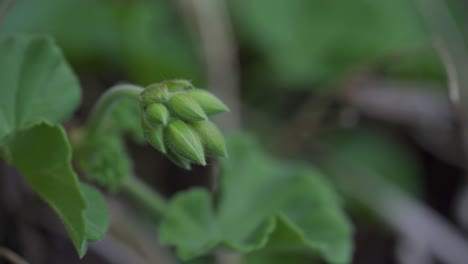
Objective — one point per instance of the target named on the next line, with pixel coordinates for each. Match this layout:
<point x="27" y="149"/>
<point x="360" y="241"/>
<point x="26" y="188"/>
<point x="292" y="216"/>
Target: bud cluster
<point x="175" y="121"/>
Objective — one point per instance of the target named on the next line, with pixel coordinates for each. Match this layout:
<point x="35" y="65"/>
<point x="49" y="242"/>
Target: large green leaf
<point x="376" y="152"/>
<point x="43" y="156"/>
<point x="36" y="83"/>
<point x="143" y="38"/>
<point x="304" y="41"/>
<point x="258" y="195"/>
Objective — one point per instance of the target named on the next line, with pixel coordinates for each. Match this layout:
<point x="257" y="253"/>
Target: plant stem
<point x="142" y="194"/>
<point x="104" y="106"/>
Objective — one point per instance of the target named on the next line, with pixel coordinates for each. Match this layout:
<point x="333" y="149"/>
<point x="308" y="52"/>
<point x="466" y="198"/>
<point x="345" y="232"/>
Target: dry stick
<point x="417" y="223"/>
<point x="128" y="241"/>
<point x="11" y="256"/>
<point x="450" y="47"/>
<point x="4" y="7"/>
<point x="215" y="36"/>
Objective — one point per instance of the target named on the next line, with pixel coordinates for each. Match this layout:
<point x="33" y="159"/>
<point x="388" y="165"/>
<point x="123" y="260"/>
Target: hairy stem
<point x="136" y="189"/>
<point x="104" y="106"/>
<point x="152" y="202"/>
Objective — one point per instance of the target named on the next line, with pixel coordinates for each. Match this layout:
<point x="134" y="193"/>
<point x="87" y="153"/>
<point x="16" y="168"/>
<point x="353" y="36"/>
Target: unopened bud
<point x="211" y="138"/>
<point x="209" y="103"/>
<point x="178" y="160"/>
<point x="178" y="85"/>
<point x="186" y="108"/>
<point x="155" y="136"/>
<point x="157" y="114"/>
<point x="155" y="93"/>
<point x="184" y="141"/>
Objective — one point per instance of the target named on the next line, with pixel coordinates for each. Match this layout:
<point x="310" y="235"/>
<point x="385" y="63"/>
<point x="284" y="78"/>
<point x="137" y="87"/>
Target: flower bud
<point x="184" y="141"/>
<point x="156" y="138"/>
<point x="178" y="160"/>
<point x="178" y="85"/>
<point x="209" y="103"/>
<point x="157" y="114"/>
<point x="211" y="138"/>
<point x="186" y="108"/>
<point x="155" y="93"/>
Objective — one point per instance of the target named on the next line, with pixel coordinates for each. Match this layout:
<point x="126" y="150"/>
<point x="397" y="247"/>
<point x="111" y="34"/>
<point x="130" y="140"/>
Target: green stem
<point x="104" y="106"/>
<point x="142" y="194"/>
<point x="136" y="189"/>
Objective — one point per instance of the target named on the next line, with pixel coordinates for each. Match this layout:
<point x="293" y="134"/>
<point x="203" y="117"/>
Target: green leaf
<point x="43" y="156"/>
<point x="36" y="83"/>
<point x="258" y="194"/>
<point x="298" y="230"/>
<point x="97" y="214"/>
<point x="376" y="152"/>
<point x="112" y="29"/>
<point x="304" y="41"/>
<point x="105" y="159"/>
<point x="280" y="258"/>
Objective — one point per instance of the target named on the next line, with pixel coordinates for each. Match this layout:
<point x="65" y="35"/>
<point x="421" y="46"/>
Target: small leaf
<point x="157" y="114"/>
<point x="209" y="103"/>
<point x="211" y="137"/>
<point x="43" y="156"/>
<point x="184" y="141"/>
<point x="36" y="83"/>
<point x="97" y="214"/>
<point x="186" y="108"/>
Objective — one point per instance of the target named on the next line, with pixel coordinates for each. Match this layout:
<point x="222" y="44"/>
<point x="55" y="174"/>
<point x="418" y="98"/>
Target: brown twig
<point x="11" y="256"/>
<point x="210" y="21"/>
<point x="419" y="226"/>
<point x="214" y="34"/>
<point x="4" y="7"/>
<point x="213" y="31"/>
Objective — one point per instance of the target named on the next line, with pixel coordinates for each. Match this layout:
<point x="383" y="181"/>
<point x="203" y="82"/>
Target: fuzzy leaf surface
<point x="105" y="159"/>
<point x="97" y="214"/>
<point x="43" y="156"/>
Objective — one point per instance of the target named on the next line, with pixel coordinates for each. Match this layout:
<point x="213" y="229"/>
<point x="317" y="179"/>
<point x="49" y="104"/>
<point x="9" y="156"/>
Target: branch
<point x="214" y="33"/>
<point x="418" y="225"/>
<point x="11" y="256"/>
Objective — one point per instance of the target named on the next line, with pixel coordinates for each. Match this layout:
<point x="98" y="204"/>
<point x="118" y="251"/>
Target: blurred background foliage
<point x="301" y="63"/>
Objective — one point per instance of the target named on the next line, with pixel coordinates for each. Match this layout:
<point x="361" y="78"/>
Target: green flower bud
<point x="186" y="108"/>
<point x="178" y="160"/>
<point x="154" y="93"/>
<point x="209" y="103"/>
<point x="211" y="138"/>
<point x="157" y="114"/>
<point x="155" y="137"/>
<point x="178" y="85"/>
<point x="184" y="141"/>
